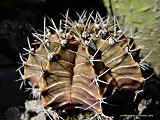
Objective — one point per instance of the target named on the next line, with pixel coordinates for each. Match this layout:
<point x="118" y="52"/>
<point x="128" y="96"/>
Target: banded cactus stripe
<point x="83" y="77"/>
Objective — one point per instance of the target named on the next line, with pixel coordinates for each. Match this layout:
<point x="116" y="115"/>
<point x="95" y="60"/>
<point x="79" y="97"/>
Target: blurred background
<point x="16" y="17"/>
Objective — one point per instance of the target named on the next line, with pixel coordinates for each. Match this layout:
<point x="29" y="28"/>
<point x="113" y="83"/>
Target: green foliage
<point x="134" y="12"/>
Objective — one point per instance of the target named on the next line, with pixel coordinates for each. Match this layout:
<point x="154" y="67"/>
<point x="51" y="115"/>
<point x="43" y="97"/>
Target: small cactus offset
<point x="77" y="61"/>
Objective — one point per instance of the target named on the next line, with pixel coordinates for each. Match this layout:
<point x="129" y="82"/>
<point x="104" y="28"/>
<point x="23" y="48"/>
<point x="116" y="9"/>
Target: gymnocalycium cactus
<point x="76" y="62"/>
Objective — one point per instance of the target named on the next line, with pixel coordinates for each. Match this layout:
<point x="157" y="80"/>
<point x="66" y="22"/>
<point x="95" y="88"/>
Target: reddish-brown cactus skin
<point x="83" y="93"/>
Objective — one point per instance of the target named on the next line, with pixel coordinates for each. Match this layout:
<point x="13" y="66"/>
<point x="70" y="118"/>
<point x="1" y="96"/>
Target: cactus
<point x="76" y="62"/>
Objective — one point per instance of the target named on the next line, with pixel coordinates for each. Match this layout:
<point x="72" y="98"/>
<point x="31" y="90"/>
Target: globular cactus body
<point x="71" y="63"/>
